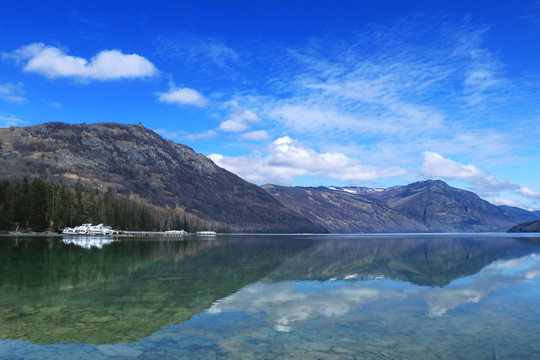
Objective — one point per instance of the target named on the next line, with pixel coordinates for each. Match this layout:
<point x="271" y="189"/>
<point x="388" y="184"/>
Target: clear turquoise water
<point x="272" y="297"/>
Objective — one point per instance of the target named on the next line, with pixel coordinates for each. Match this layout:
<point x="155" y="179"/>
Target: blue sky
<point x="364" y="93"/>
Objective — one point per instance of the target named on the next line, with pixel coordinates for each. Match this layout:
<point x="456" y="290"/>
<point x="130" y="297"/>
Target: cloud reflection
<point x="491" y="279"/>
<point x="287" y="305"/>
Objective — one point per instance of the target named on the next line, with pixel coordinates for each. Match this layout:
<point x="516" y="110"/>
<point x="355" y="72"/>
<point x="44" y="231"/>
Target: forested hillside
<point x="39" y="205"/>
<point x="139" y="164"/>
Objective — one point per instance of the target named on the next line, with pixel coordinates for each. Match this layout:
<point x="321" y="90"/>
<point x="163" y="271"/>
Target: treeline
<point x="39" y="205"/>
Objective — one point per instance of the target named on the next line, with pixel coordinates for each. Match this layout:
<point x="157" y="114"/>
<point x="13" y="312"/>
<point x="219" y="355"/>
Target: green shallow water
<point x="270" y="297"/>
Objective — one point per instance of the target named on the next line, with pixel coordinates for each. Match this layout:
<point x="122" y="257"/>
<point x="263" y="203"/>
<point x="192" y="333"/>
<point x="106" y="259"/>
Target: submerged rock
<point x="119" y="350"/>
<point x="98" y="319"/>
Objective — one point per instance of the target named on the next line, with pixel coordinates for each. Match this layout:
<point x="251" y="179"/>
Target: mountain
<point x="136" y="162"/>
<point x="426" y="206"/>
<point x="526" y="227"/>
<point x="443" y="208"/>
<point x="342" y="210"/>
<point x="519" y="215"/>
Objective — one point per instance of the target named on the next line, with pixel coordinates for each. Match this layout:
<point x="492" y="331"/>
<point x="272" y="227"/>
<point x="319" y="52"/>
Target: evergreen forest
<point x="38" y="205"/>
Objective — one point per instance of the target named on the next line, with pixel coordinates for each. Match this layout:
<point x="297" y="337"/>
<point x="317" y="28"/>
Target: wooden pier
<point x="152" y="233"/>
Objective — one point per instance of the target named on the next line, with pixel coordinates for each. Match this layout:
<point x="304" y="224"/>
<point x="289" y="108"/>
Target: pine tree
<point x="36" y="203"/>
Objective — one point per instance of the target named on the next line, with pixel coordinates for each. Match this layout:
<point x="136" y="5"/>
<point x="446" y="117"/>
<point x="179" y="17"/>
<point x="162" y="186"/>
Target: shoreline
<point x="131" y="234"/>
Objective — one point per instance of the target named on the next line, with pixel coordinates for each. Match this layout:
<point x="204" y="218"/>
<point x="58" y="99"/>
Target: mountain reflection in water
<point x="53" y="292"/>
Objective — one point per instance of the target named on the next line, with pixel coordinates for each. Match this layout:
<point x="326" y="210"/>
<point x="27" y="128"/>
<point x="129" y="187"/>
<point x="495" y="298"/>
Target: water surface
<point x="269" y="297"/>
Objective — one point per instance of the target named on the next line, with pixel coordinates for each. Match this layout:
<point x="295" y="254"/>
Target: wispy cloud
<point x="204" y="52"/>
<point x="53" y="62"/>
<point x="483" y="72"/>
<point x="204" y="135"/>
<point x="256" y="135"/>
<point x="6" y="121"/>
<point x="386" y="95"/>
<point x="55" y="104"/>
<point x="421" y="83"/>
<point x="183" y="135"/>
<point x="12" y="92"/>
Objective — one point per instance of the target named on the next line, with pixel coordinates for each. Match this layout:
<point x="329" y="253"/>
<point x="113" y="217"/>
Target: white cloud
<point x="184" y="96"/>
<point x="256" y="135"/>
<point x="529" y="193"/>
<point x="286" y="159"/>
<point x="482" y="183"/>
<point x="12" y="92"/>
<point x="6" y="121"/>
<point x="106" y="65"/>
<point x="485" y="184"/>
<point x="506" y="201"/>
<point x="240" y="118"/>
<point x="438" y="166"/>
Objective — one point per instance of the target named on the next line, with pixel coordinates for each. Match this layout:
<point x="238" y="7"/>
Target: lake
<point x="422" y="296"/>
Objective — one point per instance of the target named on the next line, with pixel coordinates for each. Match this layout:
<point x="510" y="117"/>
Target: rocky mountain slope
<point x="426" y="206"/>
<point x="444" y="208"/>
<point x="137" y="162"/>
<point x="342" y="211"/>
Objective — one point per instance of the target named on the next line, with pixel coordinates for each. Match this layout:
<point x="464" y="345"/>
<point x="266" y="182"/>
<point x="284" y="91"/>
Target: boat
<point x="176" y="232"/>
<point x="100" y="230"/>
<point x="89" y="229"/>
<point x="107" y="230"/>
<point x="82" y="229"/>
<point x="77" y="230"/>
<point x="206" y="233"/>
<point x="68" y="230"/>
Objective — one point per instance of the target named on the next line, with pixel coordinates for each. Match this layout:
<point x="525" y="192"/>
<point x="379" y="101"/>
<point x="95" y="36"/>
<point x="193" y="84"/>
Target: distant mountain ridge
<point x="135" y="162"/>
<point x="342" y="211"/>
<point x="443" y="208"/>
<point x="425" y="206"/>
